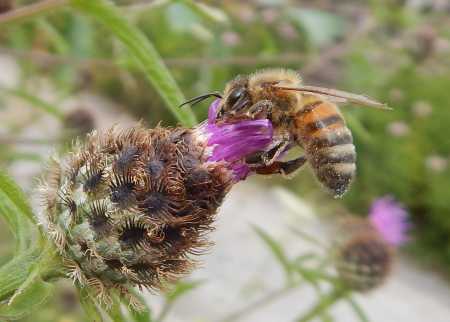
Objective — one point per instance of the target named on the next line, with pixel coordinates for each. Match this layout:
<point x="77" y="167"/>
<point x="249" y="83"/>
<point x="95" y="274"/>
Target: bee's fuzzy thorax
<point x="286" y="76"/>
<point x="283" y="100"/>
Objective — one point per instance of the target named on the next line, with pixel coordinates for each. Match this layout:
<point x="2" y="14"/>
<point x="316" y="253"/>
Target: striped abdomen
<point x="328" y="144"/>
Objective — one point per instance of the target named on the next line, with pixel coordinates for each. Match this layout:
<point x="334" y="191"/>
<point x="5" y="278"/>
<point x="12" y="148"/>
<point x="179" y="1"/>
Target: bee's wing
<point x="338" y="96"/>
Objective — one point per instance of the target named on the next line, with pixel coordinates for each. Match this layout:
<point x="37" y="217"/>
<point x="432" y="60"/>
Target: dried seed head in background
<point x="131" y="208"/>
<point x="79" y="121"/>
<point x="6" y="5"/>
<point x="366" y="248"/>
<point x="364" y="261"/>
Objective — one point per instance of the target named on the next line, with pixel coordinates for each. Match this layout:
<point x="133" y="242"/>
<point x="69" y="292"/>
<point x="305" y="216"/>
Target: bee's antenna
<point x="200" y="98"/>
<point x="353" y="98"/>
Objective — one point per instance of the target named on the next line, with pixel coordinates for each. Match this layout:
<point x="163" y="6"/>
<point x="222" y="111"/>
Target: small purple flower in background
<point x="390" y="219"/>
<point x="436" y="163"/>
<point x="287" y="31"/>
<point x="422" y="109"/>
<point x="230" y="38"/>
<point x="269" y="15"/>
<point x="398" y="128"/>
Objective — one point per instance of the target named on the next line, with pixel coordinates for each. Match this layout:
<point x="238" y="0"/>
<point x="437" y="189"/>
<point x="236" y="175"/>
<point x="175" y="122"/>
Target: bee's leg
<point x="272" y="155"/>
<point x="260" y="110"/>
<point x="280" y="167"/>
<point x="267" y="157"/>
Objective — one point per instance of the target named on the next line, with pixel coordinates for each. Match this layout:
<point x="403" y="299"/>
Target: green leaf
<point x="213" y="15"/>
<point x="16" y="211"/>
<point x="321" y="27"/>
<point x="359" y="312"/>
<point x="358" y="129"/>
<point x="35" y="102"/>
<point x="308" y="237"/>
<point x="90" y="308"/>
<point x="143" y="52"/>
<point x="57" y="40"/>
<point x="16" y="271"/>
<point x="276" y="250"/>
<point x="140" y="316"/>
<point x="181" y="288"/>
<point x="15" y="195"/>
<point x="27" y="302"/>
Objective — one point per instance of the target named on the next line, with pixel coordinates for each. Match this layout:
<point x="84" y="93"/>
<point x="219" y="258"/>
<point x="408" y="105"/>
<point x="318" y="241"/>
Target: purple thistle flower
<point x="390" y="219"/>
<point x="232" y="142"/>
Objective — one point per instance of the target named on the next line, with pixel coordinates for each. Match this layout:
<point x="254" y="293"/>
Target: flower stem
<point x="31" y="10"/>
<point x="262" y="302"/>
<point x="324" y="303"/>
<point x="15" y="273"/>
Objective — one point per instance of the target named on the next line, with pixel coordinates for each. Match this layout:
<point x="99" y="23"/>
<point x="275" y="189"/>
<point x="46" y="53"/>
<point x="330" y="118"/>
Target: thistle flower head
<point x="364" y="261"/>
<point x="363" y="258"/>
<point x="6" y="5"/>
<point x="390" y="219"/>
<point x="132" y="208"/>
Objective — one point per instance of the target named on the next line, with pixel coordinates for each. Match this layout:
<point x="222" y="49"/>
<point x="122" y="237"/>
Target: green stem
<point x="18" y="271"/>
<point x="262" y="302"/>
<point x="31" y="10"/>
<point x="165" y="310"/>
<point x="142" y="50"/>
<point x="323" y="304"/>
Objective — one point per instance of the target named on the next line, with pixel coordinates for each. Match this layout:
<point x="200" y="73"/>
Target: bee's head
<point x="236" y="98"/>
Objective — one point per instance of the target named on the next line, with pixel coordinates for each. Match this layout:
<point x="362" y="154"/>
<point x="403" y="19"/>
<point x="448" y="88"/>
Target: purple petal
<point x="232" y="142"/>
<point x="212" y="112"/>
<point x="240" y="171"/>
<point x="391" y="220"/>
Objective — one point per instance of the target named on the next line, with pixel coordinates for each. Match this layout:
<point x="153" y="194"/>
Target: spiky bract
<point x="132" y="207"/>
<point x="364" y="258"/>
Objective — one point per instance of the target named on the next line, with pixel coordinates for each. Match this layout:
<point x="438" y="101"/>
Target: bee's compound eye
<point x="234" y="96"/>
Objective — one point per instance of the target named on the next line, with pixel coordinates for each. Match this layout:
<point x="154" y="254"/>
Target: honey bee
<point x="301" y="115"/>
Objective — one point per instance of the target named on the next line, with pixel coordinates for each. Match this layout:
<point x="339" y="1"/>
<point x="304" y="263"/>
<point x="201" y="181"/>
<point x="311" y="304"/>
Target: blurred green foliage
<point x="406" y="153"/>
<point x="392" y="50"/>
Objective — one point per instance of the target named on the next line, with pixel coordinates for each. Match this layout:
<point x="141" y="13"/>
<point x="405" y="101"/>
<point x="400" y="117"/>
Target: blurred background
<point x="63" y="75"/>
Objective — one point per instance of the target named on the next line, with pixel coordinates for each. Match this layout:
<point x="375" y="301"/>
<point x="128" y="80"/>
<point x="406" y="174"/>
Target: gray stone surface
<point x="239" y="269"/>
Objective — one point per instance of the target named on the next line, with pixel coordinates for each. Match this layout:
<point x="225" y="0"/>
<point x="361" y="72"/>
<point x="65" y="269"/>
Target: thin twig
<point x="31" y="10"/>
<point x="194" y="62"/>
<point x="165" y="310"/>
<point x="323" y="304"/>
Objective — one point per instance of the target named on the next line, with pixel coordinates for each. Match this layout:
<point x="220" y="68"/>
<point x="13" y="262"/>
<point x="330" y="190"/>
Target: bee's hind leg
<point x="285" y="168"/>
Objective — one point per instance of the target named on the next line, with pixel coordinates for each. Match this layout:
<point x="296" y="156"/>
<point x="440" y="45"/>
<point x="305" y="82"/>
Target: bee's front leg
<point x="260" y="110"/>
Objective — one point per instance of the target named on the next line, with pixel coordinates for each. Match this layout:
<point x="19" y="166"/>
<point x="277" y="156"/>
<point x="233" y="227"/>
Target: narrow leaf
<point x="276" y="250"/>
<point x="27" y="302"/>
<point x="143" y="51"/>
<point x="181" y="288"/>
<point x="212" y="14"/>
<point x="16" y="211"/>
<point x="92" y="311"/>
<point x="307" y="237"/>
<point x="15" y="272"/>
<point x="359" y="312"/>
<point x="15" y="194"/>
<point x="35" y="102"/>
